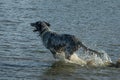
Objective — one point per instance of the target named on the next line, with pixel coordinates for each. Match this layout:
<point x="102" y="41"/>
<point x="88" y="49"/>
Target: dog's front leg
<point x="67" y="55"/>
<point x="54" y="53"/>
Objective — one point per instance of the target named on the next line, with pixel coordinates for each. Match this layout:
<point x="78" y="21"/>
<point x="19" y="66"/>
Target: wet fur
<point x="55" y="42"/>
<point x="58" y="43"/>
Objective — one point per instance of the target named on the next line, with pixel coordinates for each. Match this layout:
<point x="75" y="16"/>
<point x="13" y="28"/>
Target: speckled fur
<point x="56" y="43"/>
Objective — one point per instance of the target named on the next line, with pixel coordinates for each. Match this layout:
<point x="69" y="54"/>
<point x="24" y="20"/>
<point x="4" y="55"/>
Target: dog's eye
<point x="38" y="22"/>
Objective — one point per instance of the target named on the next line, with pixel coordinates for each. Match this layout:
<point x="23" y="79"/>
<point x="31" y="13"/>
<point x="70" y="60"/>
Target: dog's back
<point x="60" y="42"/>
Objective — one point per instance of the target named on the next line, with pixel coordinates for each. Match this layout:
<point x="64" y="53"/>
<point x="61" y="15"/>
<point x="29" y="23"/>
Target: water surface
<point x="23" y="56"/>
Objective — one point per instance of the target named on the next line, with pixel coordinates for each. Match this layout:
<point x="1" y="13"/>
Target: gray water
<point x="22" y="55"/>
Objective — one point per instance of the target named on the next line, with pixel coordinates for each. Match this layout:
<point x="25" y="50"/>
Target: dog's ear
<point x="48" y="24"/>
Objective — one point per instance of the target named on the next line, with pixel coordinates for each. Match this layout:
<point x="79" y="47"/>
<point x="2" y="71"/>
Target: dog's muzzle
<point x="33" y="24"/>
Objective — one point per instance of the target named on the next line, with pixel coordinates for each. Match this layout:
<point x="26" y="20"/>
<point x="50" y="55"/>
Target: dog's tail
<point x="91" y="51"/>
<point x="82" y="45"/>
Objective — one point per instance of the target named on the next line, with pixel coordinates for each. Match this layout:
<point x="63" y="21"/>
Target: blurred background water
<point x="22" y="55"/>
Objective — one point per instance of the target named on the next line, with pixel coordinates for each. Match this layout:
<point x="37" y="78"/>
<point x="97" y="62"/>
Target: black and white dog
<point x="58" y="43"/>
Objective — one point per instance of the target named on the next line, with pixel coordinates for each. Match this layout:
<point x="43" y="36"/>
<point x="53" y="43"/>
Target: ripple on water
<point x="23" y="56"/>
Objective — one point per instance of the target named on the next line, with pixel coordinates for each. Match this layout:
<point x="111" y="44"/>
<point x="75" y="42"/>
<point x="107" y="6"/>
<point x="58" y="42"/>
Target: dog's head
<point x="40" y="25"/>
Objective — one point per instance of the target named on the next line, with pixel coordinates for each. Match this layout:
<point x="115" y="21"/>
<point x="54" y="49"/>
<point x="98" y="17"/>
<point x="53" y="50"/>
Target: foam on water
<point x="77" y="60"/>
<point x="96" y="60"/>
<point x="87" y="59"/>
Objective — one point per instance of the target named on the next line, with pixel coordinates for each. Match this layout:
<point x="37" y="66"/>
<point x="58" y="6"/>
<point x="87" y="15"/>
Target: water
<point x="23" y="56"/>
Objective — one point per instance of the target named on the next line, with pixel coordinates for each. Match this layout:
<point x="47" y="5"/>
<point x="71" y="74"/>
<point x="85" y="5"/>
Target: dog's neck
<point x="44" y="31"/>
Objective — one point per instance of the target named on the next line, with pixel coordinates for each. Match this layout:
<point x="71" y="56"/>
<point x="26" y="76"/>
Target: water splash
<point x="76" y="59"/>
<point x="73" y="59"/>
<point x="92" y="59"/>
<point x="86" y="58"/>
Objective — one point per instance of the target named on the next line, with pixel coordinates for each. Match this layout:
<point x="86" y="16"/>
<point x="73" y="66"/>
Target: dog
<point x="58" y="43"/>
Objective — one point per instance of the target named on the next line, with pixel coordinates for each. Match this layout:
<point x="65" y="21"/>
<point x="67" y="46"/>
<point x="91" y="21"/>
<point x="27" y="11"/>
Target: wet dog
<point x="58" y="43"/>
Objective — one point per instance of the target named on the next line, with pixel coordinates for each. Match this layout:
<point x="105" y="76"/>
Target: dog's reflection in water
<point x="61" y="68"/>
<point x="59" y="71"/>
